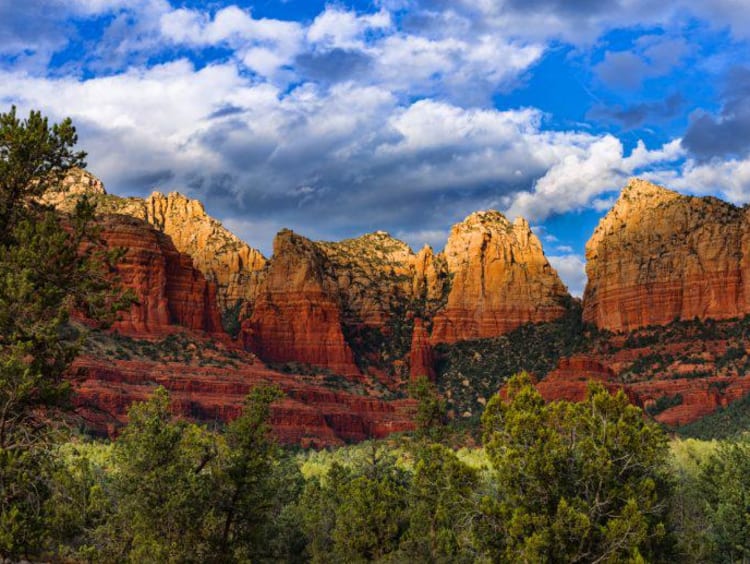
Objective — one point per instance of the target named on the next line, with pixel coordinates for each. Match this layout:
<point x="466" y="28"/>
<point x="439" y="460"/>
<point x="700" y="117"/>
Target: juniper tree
<point x="49" y="266"/>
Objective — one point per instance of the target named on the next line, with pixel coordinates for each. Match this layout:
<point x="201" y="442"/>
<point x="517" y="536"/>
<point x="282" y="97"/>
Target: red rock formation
<point x="218" y="254"/>
<point x="570" y="380"/>
<point x="223" y="258"/>
<point x="296" y="316"/>
<point x="169" y="291"/>
<point x="308" y="415"/>
<point x="421" y="361"/>
<point x="688" y="367"/>
<point x="313" y="297"/>
<point x="659" y="256"/>
<point x="501" y="279"/>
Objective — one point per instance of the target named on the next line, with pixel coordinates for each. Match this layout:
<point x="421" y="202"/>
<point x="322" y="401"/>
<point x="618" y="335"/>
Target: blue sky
<point x="339" y="118"/>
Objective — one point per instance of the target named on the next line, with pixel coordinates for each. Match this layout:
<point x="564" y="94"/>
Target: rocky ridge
<point x="500" y="280"/>
<point x="659" y="256"/>
<point x="372" y="310"/>
<point x="222" y="257"/>
<point x="349" y="306"/>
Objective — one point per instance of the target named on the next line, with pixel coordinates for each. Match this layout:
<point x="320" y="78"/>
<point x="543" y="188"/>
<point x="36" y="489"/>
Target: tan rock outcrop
<point x="296" y="316"/>
<point x="658" y="256"/>
<point x="221" y="256"/>
<point x="500" y="280"/>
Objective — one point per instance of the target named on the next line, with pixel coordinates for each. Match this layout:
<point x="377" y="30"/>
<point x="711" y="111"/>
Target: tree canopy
<point x="49" y="266"/>
<point x="576" y="482"/>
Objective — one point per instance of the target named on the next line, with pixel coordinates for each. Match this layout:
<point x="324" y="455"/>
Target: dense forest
<point x="590" y="481"/>
<point x="594" y="481"/>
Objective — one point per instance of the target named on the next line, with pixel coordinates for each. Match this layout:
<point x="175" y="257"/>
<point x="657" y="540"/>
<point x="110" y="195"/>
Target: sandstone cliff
<point x="350" y="306"/>
<point x="501" y="279"/>
<point x="296" y="316"/>
<point x="347" y="306"/>
<point x="222" y="257"/>
<point x="168" y="290"/>
<point x="659" y="256"/>
<point x="492" y="278"/>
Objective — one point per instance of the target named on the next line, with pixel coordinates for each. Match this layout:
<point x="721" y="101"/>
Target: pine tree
<point x="49" y="266"/>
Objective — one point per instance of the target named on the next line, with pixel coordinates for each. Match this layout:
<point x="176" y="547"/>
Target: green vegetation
<point x="49" y="265"/>
<point x="431" y="411"/>
<point x="575" y="481"/>
<point x="176" y="347"/>
<point x="471" y="372"/>
<point x="555" y="482"/>
<point x="725" y="423"/>
<point x="230" y="319"/>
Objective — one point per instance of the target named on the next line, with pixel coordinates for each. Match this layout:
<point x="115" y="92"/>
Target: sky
<point x="336" y="119"/>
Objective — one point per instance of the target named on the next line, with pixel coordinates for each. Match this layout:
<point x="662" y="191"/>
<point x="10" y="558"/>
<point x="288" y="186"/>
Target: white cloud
<point x="335" y="27"/>
<point x="263" y="45"/>
<point x="354" y="152"/>
<point x="572" y="271"/>
<point x="463" y="67"/>
<point x="730" y="179"/>
<point x="592" y="167"/>
<point x="435" y="238"/>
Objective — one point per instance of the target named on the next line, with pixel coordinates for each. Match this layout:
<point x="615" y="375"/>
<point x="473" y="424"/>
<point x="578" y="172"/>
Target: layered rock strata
<point x="222" y="257"/>
<point x="296" y="316"/>
<point x="347" y="306"/>
<point x="350" y="306"/>
<point x="168" y="289"/>
<point x="309" y="414"/>
<point x="658" y="256"/>
<point x="500" y="280"/>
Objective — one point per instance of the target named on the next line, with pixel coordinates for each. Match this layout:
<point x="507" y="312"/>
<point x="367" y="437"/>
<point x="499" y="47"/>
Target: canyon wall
<point x="350" y="306"/>
<point x="500" y="280"/>
<point x="658" y="256"/>
<point x="224" y="259"/>
<point x="168" y="289"/>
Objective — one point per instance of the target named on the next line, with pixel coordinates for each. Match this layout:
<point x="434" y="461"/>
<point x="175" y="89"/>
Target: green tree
<point x="431" y="409"/>
<point x="356" y="514"/>
<point x="181" y="493"/>
<point x="724" y="485"/>
<point x="49" y="266"/>
<point x="688" y="519"/>
<point x="162" y="489"/>
<point x="575" y="481"/>
<point x="248" y="488"/>
<point x="441" y="508"/>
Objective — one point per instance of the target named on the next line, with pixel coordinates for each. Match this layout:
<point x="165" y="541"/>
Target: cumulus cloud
<point x="729" y="179"/>
<point x="333" y="161"/>
<point x="340" y="44"/>
<point x="592" y="167"/>
<point x="580" y="22"/>
<point x="572" y="270"/>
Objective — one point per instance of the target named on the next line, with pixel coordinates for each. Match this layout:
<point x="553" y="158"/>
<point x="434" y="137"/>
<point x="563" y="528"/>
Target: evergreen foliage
<point x="575" y="481"/>
<point x="49" y="266"/>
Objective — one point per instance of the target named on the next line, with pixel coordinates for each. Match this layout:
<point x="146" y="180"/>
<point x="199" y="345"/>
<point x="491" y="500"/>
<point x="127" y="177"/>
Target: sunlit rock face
<point x="500" y="280"/>
<point x="658" y="256"/>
